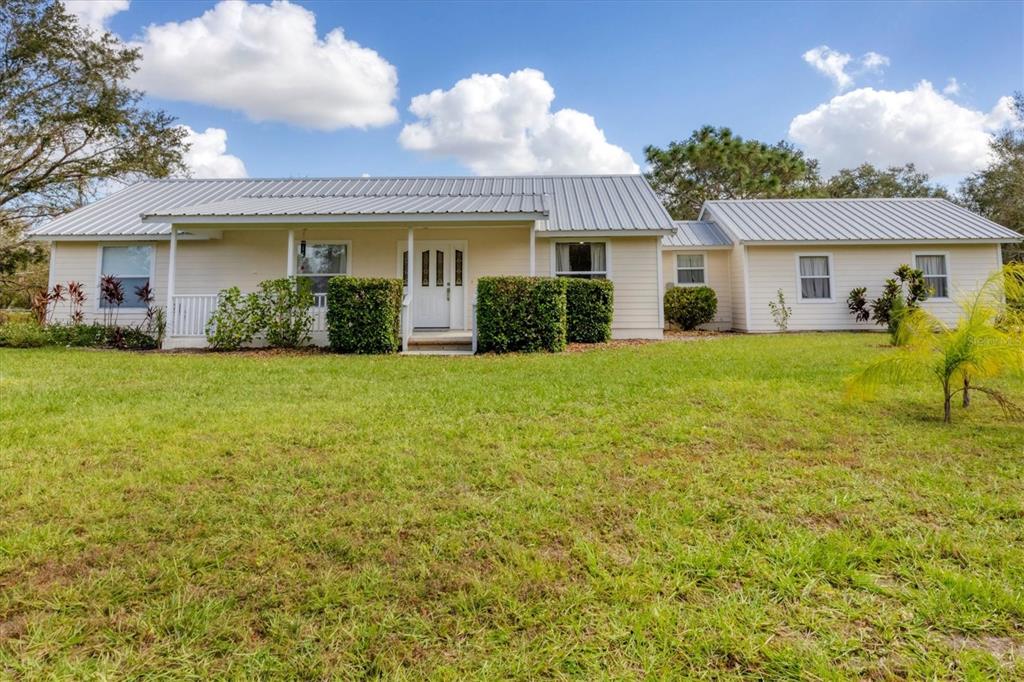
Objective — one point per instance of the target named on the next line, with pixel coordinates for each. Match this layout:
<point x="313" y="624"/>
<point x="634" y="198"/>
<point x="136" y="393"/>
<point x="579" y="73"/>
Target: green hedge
<point x="363" y="314"/>
<point x="94" y="335"/>
<point x="690" y="307"/>
<point x="520" y="314"/>
<point x="588" y="310"/>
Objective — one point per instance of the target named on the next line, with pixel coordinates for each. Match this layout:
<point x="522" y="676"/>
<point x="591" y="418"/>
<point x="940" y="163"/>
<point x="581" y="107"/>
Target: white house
<point x="192" y="238"/>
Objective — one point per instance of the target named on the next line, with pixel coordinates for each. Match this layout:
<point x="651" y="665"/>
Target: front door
<point x="439" y="272"/>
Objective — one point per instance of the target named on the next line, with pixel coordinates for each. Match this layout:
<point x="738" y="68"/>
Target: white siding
<point x="738" y="277"/>
<point x="633" y="267"/>
<point x="717" y="275"/>
<point x="775" y="267"/>
<point x="79" y="262"/>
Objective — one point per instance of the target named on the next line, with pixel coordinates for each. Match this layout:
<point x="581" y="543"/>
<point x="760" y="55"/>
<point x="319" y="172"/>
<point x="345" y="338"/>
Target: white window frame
<point x="831" y="279"/>
<point x="348" y="258"/>
<point x="96" y="308"/>
<point x="949" y="271"/>
<point x="607" y="272"/>
<point x="703" y="268"/>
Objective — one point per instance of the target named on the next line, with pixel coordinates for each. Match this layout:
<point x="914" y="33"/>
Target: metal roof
<point x="571" y="202"/>
<point x="358" y="206"/>
<point x="838" y="220"/>
<point x="695" y="233"/>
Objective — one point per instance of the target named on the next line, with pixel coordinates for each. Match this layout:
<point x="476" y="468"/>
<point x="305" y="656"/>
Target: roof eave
<point x="878" y="242"/>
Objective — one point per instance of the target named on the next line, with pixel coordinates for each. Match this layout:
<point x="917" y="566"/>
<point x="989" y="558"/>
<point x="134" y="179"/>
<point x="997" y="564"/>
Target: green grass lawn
<point x="696" y="509"/>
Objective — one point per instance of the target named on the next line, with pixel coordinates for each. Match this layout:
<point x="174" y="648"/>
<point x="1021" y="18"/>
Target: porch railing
<point x="189" y="314"/>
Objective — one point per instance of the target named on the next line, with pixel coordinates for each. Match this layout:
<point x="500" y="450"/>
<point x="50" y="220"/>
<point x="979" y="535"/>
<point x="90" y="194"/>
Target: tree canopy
<point x="713" y="163"/>
<point x="997" y="192"/>
<point x="70" y="123"/>
<point x="866" y="181"/>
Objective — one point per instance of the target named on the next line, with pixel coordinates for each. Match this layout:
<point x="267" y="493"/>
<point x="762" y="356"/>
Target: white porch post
<point x="409" y="261"/>
<point x="410" y="287"/>
<point x="290" y="270"/>
<point x="172" y="258"/>
<point x="533" y="248"/>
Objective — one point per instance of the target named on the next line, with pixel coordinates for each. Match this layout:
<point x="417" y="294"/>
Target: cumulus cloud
<point x="95" y="13"/>
<point x="886" y="127"/>
<point x="497" y="124"/>
<point x="268" y="62"/>
<point x="952" y="87"/>
<point x="207" y="156"/>
<point x="833" y="64"/>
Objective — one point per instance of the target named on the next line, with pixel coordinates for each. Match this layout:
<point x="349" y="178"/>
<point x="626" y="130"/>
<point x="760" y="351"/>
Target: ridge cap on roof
<point x="525" y="176"/>
<point x="796" y="199"/>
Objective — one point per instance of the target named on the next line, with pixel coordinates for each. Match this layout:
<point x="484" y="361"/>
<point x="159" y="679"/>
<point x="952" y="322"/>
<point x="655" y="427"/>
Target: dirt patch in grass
<point x="1005" y="649"/>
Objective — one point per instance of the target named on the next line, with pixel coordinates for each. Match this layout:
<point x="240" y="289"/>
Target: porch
<point x="438" y="307"/>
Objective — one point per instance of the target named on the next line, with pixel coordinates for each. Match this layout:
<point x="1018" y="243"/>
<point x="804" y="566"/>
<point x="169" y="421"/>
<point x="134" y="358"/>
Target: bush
<point x="80" y="335"/>
<point x="284" y="311"/>
<point x="235" y="321"/>
<point x="588" y="310"/>
<point x="10" y="316"/>
<point x="690" y="307"/>
<point x="521" y="314"/>
<point x="22" y="335"/>
<point x="364" y="314"/>
<point x="130" y="338"/>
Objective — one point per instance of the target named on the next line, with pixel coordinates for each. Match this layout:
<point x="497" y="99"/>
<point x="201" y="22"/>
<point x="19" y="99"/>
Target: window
<point x="132" y="266"/>
<point x="458" y="268"/>
<point x="815" y="278"/>
<point x="319" y="261"/>
<point x="690" y="269"/>
<point x="586" y="260"/>
<point x="936" y="274"/>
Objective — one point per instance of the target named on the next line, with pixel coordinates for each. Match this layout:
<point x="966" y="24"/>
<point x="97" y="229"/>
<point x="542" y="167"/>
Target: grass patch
<point x="711" y="508"/>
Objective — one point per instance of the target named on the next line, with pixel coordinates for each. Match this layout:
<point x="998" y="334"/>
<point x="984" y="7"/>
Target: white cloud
<point x="267" y="61"/>
<point x="952" y="87"/>
<point x="886" y="127"/>
<point x="872" y="61"/>
<point x="833" y="64"/>
<point x="207" y="156"/>
<point x="498" y="124"/>
<point x="95" y="13"/>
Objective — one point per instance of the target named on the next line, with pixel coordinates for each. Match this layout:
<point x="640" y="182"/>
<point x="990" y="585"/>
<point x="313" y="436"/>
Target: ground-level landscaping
<point x="709" y="507"/>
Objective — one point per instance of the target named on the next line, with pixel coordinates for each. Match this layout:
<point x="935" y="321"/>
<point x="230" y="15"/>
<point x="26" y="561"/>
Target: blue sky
<point x="646" y="74"/>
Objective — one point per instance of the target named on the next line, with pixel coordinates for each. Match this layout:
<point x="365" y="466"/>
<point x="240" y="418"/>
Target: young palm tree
<point x="987" y="341"/>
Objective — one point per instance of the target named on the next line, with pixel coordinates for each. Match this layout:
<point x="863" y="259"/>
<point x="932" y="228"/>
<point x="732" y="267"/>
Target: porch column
<point x="291" y="253"/>
<point x="172" y="258"/>
<point x="410" y="287"/>
<point x="533" y="248"/>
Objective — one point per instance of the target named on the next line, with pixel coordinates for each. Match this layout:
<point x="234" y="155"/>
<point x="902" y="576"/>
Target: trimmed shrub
<point x="235" y="321"/>
<point x="588" y="310"/>
<point x="284" y="311"/>
<point x="524" y="314"/>
<point x="690" y="307"/>
<point x="22" y="335"/>
<point x="364" y="314"/>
